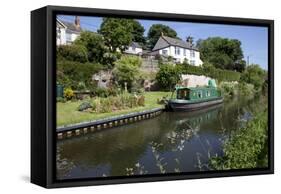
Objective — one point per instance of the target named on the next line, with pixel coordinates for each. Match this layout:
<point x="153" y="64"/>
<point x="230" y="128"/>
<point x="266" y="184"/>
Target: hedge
<point x="210" y="71"/>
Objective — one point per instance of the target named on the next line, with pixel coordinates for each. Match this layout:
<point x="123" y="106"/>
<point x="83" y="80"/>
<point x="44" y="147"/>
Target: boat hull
<point x="190" y="106"/>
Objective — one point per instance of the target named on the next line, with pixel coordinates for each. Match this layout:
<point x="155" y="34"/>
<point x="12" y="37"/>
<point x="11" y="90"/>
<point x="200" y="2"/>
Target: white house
<point x="67" y="32"/>
<point x="134" y="48"/>
<point x="178" y="49"/>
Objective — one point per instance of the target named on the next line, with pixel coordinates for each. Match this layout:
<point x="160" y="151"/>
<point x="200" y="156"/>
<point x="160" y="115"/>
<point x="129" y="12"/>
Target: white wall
<point x="136" y="51"/>
<point x="180" y="57"/>
<point x="15" y="102"/>
<point x="62" y="39"/>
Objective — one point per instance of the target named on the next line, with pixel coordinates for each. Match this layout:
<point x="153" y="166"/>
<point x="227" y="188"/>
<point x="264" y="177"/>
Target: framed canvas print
<point x="126" y="96"/>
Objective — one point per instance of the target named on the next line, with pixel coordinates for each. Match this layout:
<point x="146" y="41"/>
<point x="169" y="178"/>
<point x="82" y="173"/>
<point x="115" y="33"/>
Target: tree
<point x="155" y="32"/>
<point x="168" y="76"/>
<point x="137" y="32"/>
<point x="254" y="75"/>
<point x="72" y="53"/>
<point x="127" y="70"/>
<point x="97" y="51"/>
<point x="117" y="33"/>
<point x="222" y="53"/>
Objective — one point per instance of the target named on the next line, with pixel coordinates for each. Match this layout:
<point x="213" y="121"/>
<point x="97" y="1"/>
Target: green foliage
<point x="76" y="53"/>
<point x="97" y="51"/>
<point x="127" y="70"/>
<point x="84" y="106"/>
<point x="210" y="71"/>
<point x="119" y="102"/>
<point x="117" y="33"/>
<point x="254" y="75"/>
<point x="155" y="32"/>
<point x="223" y="53"/>
<point x="246" y="147"/>
<point x="228" y="88"/>
<point x="75" y="75"/>
<point x="246" y="89"/>
<point x="138" y="32"/>
<point x="105" y="92"/>
<point x="168" y="76"/>
<point x="68" y="94"/>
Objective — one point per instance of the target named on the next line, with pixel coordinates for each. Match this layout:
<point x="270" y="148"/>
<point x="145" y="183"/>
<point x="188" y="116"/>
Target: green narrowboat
<point x="193" y="98"/>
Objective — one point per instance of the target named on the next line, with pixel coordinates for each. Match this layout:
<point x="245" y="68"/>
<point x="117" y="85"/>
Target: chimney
<point x="77" y="22"/>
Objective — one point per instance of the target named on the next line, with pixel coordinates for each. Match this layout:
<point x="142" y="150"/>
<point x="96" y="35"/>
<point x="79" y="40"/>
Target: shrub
<point x="68" y="94"/>
<point x="168" y="76"/>
<point x="246" y="89"/>
<point x="246" y="147"/>
<point x="127" y="70"/>
<point x="72" y="52"/>
<point x="210" y="71"/>
<point x="228" y="88"/>
<point x="254" y="75"/>
<point x="141" y="101"/>
<point x="84" y="106"/>
<point x="75" y="75"/>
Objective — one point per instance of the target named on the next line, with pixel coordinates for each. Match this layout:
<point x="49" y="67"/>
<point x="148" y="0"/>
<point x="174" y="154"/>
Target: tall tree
<point x="117" y="33"/>
<point x="156" y="30"/>
<point x="138" y="32"/>
<point x="97" y="51"/>
<point x="222" y="53"/>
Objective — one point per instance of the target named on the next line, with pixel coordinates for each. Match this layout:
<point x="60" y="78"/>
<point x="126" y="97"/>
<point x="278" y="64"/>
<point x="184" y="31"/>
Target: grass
<point x="67" y="112"/>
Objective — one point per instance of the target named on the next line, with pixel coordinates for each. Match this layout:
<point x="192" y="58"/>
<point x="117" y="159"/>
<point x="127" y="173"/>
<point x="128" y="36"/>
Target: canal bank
<point x="102" y="124"/>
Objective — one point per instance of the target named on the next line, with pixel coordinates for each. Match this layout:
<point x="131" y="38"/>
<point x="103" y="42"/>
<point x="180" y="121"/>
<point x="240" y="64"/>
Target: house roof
<point x="165" y="41"/>
<point x="71" y="26"/>
<point x="135" y="44"/>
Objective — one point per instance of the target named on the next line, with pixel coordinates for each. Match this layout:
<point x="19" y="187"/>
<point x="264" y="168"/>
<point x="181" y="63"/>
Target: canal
<point x="170" y="143"/>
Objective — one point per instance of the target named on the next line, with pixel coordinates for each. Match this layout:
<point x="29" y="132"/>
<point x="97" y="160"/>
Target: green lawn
<point x="67" y="112"/>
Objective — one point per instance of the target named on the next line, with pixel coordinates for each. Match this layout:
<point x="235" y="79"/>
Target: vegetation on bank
<point x="245" y="147"/>
<point x="68" y="113"/>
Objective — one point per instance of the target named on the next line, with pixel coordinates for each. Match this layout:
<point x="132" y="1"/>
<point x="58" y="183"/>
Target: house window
<point x="164" y="52"/>
<point x="134" y="48"/>
<point x="177" y="51"/>
<point x="192" y="53"/>
<point x="192" y="62"/>
<point x="184" y="52"/>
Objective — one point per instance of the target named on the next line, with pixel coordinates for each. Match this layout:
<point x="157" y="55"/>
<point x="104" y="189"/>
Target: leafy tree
<point x="222" y="53"/>
<point x="168" y="76"/>
<point x="155" y="32"/>
<point x="117" y="33"/>
<point x="137" y="32"/>
<point x="127" y="69"/>
<point x="97" y="51"/>
<point x="72" y="53"/>
<point x="254" y="75"/>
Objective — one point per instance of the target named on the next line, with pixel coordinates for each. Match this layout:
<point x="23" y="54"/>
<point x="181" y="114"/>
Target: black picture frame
<point x="43" y="92"/>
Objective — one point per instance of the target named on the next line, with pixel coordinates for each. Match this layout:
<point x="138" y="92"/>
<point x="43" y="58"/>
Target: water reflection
<point x="170" y="143"/>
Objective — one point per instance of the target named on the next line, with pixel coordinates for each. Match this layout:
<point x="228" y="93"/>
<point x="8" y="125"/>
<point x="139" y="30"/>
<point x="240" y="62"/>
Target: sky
<point x="254" y="39"/>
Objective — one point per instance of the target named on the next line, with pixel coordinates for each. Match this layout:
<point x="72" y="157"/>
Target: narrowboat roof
<point x="195" y="88"/>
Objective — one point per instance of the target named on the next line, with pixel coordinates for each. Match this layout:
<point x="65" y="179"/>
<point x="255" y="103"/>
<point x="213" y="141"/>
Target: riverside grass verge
<point x="67" y="113"/>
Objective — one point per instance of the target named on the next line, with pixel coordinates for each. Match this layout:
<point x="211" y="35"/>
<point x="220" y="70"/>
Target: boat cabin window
<point x="183" y="94"/>
<point x="199" y="94"/>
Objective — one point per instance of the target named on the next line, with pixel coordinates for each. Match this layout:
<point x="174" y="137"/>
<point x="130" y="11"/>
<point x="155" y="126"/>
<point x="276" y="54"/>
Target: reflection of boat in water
<point x="194" y="98"/>
<point x="197" y="117"/>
